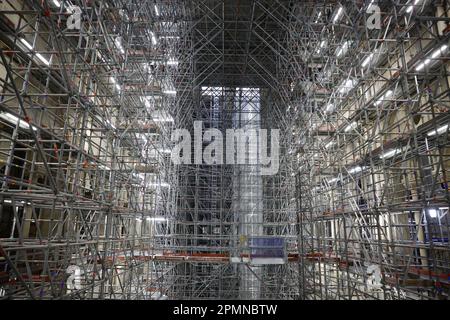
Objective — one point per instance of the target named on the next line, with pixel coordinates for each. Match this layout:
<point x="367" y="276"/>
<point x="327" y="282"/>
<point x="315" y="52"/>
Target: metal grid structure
<point x="91" y="206"/>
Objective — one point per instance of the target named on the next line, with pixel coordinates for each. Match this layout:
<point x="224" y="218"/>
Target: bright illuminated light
<point x="38" y="55"/>
<point x="356" y="169"/>
<point x="433" y="213"/>
<point x="162" y="184"/>
<point x="169" y="37"/>
<point x="13" y="120"/>
<point x="26" y="43"/>
<point x="367" y="60"/>
<point x="322" y="44"/>
<point x="333" y="180"/>
<point x="156" y="219"/>
<point x="338" y="14"/>
<point x="113" y="80"/>
<point x="167" y="119"/>
<point x="343" y="49"/>
<point x="347" y="86"/>
<point x="387" y="95"/>
<point x="390" y="154"/>
<point x="170" y="92"/>
<point x="154" y="41"/>
<point x="118" y="43"/>
<point x="156" y="10"/>
<point x="410" y="8"/>
<point x="438" y="131"/>
<point x="42" y="59"/>
<point x="172" y="62"/>
<point x="110" y="123"/>
<point x="435" y="55"/>
<point x="56" y="3"/>
<point x="330" y="107"/>
<point x="103" y="167"/>
<point x="329" y="144"/>
<point x="318" y="17"/>
<point x="420" y="66"/>
<point x="350" y="126"/>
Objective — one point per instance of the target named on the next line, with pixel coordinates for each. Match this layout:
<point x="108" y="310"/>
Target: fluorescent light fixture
<point x="38" y="55"/>
<point x="170" y="92"/>
<point x="163" y="119"/>
<point x="329" y="144"/>
<point x="351" y="126"/>
<point x="56" y="3"/>
<point x="420" y="66"/>
<point x="367" y="60"/>
<point x="436" y="54"/>
<point x="329" y="108"/>
<point x="169" y="37"/>
<point x="434" y="213"/>
<point x="410" y="8"/>
<point x="333" y="180"/>
<point x="13" y="120"/>
<point x="156" y="10"/>
<point x="172" y="62"/>
<point x="338" y="14"/>
<point x="384" y="97"/>
<point x="118" y="43"/>
<point x="110" y="123"/>
<point x="347" y="85"/>
<point x="114" y="81"/>
<point x="356" y="169"/>
<point x="390" y="154"/>
<point x="143" y="137"/>
<point x="26" y="43"/>
<point x="438" y="131"/>
<point x="162" y="184"/>
<point x="318" y="17"/>
<point x="154" y="40"/>
<point x="343" y="49"/>
<point x="103" y="167"/>
<point x="156" y="219"/>
<point x="322" y="44"/>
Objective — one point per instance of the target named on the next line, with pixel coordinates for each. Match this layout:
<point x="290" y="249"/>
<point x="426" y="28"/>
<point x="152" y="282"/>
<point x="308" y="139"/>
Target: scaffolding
<point x="92" y="207"/>
<point x="372" y="180"/>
